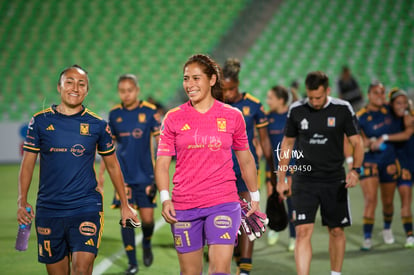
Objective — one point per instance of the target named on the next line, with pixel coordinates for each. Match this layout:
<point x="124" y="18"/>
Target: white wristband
<point x="349" y="160"/>
<point x="385" y="137"/>
<point x="164" y="195"/>
<point x="255" y="196"/>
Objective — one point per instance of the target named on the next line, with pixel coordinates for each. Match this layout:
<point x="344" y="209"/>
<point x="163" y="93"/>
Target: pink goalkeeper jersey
<point x="202" y="144"/>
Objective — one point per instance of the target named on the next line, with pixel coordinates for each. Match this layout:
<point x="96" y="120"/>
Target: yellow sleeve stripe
<point x="91" y="113"/>
<point x="31" y="148"/>
<point x="264" y="124"/>
<point x="117" y="106"/>
<point x="106" y="152"/>
<point x="48" y="110"/>
<point x="252" y="98"/>
<point x="149" y="105"/>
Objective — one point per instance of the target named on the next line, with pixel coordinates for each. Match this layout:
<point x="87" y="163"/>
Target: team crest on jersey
<point x="221" y="125"/>
<point x="84" y="129"/>
<point x="246" y="110"/>
<point x="142" y="118"/>
<point x="119" y="119"/>
<point x="331" y="121"/>
<point x="304" y="124"/>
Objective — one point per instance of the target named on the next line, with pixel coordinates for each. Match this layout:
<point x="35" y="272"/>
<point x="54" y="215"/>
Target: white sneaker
<point x="272" y="237"/>
<point x="366" y="245"/>
<point x="409" y="242"/>
<point x="388" y="236"/>
<point x="292" y="242"/>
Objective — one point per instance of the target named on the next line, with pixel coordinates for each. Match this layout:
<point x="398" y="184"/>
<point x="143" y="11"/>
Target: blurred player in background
<point x="134" y="124"/>
<point x="255" y="119"/>
<point x="278" y="99"/>
<point x="349" y="90"/>
<point x="401" y="137"/>
<point x="69" y="212"/>
<point x="379" y="167"/>
<point x="205" y="207"/>
<point x="316" y="127"/>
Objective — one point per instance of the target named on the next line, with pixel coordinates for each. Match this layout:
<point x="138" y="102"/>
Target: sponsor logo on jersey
<point x="43" y="230"/>
<point x="50" y="128"/>
<point x="225" y="236"/>
<point x="87" y="228"/>
<point x="304" y="124"/>
<point x="84" y="129"/>
<point x="331" y="121"/>
<point x="318" y="139"/>
<point x="142" y="118"/>
<point x="182" y="225"/>
<point x="221" y="125"/>
<point x="223" y="222"/>
<point x="77" y="150"/>
<point x="58" y="150"/>
<point x="186" y="127"/>
<point x="246" y="110"/>
<point x="90" y="242"/>
<point x="118" y="119"/>
<point x="137" y="133"/>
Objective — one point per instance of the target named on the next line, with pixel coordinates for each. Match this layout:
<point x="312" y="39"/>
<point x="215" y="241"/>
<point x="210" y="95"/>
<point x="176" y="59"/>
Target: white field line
<point x="107" y="262"/>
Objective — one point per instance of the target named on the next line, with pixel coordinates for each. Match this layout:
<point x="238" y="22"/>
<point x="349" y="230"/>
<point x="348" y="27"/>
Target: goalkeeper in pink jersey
<point x="205" y="207"/>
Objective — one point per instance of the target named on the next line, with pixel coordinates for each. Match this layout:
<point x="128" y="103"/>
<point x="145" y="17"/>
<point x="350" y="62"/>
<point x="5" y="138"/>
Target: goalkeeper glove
<point x="255" y="225"/>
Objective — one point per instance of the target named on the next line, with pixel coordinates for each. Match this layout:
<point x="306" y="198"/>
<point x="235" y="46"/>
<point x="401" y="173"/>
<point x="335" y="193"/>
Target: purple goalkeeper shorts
<point x="218" y="224"/>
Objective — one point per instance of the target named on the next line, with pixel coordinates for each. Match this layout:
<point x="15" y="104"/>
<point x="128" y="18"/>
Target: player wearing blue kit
<point x="401" y="136"/>
<point x="69" y="212"/>
<point x="278" y="102"/>
<point x="134" y="124"/>
<point x="255" y="119"/>
<point x="379" y="167"/>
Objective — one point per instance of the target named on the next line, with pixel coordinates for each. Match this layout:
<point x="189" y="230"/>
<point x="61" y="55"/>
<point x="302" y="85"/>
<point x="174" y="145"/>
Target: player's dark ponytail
<point x="210" y="68"/>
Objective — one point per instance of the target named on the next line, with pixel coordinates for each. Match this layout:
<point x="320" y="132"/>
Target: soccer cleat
<point x="132" y="269"/>
<point x="388" y="236"/>
<point x="409" y="242"/>
<point x="292" y="242"/>
<point x="272" y="237"/>
<point x="147" y="256"/>
<point x="366" y="245"/>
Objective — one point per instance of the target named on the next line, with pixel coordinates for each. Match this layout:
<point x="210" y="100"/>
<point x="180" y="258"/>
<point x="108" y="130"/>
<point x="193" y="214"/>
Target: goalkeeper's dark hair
<point x="210" y="68"/>
<point x="75" y="66"/>
<point x="231" y="69"/>
<point x="316" y="79"/>
<point x="281" y="92"/>
<point x="131" y="77"/>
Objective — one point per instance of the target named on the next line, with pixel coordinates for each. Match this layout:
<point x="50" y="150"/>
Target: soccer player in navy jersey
<point x="318" y="124"/>
<point x="255" y="118"/>
<point x="134" y="124"/>
<point x="278" y="98"/>
<point x="69" y="211"/>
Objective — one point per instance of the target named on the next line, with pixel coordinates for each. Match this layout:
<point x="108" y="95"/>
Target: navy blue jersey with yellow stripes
<point x="254" y="117"/>
<point x="67" y="147"/>
<point x="134" y="131"/>
<point x="374" y="124"/>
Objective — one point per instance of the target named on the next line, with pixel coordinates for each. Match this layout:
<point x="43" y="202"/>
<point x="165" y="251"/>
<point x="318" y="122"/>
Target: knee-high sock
<point x="368" y="225"/>
<point x="408" y="225"/>
<point x="147" y="231"/>
<point x="387" y="220"/>
<point x="128" y="237"/>
<point x="245" y="265"/>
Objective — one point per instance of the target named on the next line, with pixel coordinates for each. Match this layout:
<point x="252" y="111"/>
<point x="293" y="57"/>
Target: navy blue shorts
<point x="60" y="237"/>
<point x="137" y="197"/>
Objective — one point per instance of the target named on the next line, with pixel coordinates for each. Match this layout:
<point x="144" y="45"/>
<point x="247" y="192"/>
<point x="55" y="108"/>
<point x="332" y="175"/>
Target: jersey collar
<point x="328" y="101"/>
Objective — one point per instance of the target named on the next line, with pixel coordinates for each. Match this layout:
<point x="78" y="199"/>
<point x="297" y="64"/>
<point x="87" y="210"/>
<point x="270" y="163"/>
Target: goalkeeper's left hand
<point x="253" y="221"/>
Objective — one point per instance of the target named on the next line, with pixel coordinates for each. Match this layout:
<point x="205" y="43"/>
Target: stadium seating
<point x="375" y="38"/>
<point x="150" y="38"/>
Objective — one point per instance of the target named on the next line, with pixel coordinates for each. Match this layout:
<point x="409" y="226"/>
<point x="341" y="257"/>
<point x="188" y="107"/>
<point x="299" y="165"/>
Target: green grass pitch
<point x="383" y="259"/>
